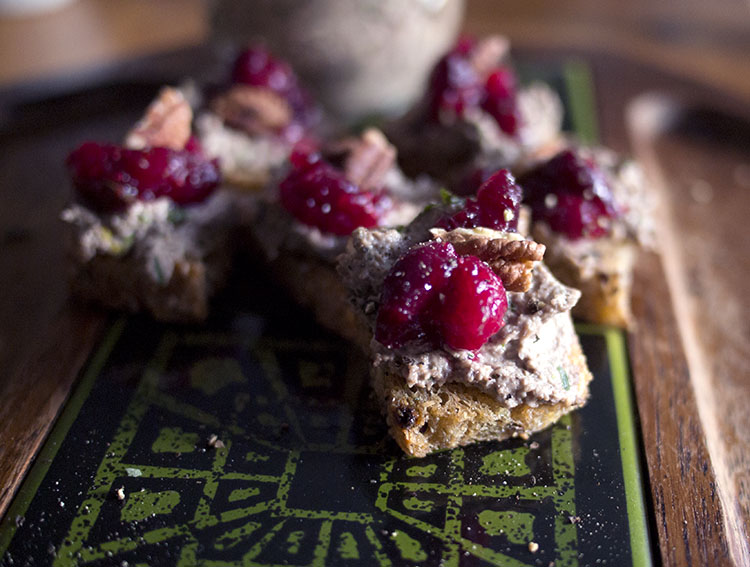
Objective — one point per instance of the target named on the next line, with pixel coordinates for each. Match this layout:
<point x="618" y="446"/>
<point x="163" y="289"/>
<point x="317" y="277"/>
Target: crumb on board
<point x="533" y="546"/>
<point x="215" y="442"/>
<point x="120" y="493"/>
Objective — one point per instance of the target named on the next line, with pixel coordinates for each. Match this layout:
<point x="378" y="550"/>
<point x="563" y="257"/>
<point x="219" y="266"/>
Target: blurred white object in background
<point x="30" y="7"/>
<point x="359" y="57"/>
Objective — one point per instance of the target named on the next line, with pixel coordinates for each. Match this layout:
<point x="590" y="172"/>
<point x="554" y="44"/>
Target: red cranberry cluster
<point x="571" y="194"/>
<point x="434" y="296"/>
<point x="495" y="206"/>
<point x="455" y="87"/>
<point x="109" y="177"/>
<point x="319" y="194"/>
<point x="256" y="67"/>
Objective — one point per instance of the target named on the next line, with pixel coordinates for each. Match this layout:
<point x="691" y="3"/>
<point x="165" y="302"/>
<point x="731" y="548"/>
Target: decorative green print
<point x="348" y="548"/>
<point x="519" y="526"/>
<point x="408" y="546"/>
<point x="213" y="374"/>
<point x="284" y="479"/>
<point x="243" y="493"/>
<point x="508" y="462"/>
<point x="417" y="505"/>
<point x="141" y="505"/>
<point x="426" y="471"/>
<point x="175" y="440"/>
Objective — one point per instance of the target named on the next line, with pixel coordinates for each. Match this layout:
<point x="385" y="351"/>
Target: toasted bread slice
<point x="147" y="260"/>
<point x="449" y="144"/>
<point x="427" y="418"/>
<point x="528" y="375"/>
<point x="423" y="420"/>
<point x="601" y="268"/>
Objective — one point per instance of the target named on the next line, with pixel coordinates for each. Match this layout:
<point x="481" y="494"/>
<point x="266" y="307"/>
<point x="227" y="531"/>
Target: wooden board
<point x="699" y="495"/>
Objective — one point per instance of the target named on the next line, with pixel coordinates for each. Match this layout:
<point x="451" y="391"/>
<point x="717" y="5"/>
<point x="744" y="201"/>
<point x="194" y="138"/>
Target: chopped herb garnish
<point x="176" y="215"/>
<point x="449" y="198"/>
<point x="564" y="377"/>
<point x="125" y="245"/>
<point x="159" y="273"/>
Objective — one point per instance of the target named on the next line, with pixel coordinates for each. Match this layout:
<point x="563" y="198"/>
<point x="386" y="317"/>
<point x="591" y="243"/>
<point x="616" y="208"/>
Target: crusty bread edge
<point x="425" y="420"/>
<point x="121" y="284"/>
<point x="605" y="293"/>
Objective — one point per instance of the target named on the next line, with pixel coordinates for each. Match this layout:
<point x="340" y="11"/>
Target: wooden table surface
<point x="680" y="103"/>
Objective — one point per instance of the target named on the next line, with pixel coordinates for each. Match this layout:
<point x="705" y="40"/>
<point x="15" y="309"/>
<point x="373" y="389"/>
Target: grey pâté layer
<point x="521" y="364"/>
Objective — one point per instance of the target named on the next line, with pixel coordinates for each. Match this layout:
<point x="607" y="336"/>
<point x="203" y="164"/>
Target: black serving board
<point x="253" y="440"/>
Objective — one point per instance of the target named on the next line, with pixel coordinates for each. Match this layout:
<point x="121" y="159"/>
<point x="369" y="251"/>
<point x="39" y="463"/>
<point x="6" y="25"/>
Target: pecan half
<point x="489" y="53"/>
<point x="511" y="258"/>
<point x="369" y="159"/>
<point x="252" y="109"/>
<point x="166" y="123"/>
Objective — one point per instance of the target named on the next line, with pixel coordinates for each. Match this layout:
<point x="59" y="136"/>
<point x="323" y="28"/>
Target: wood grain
<point x="620" y="84"/>
<point x="33" y="395"/>
<point x="707" y="42"/>
<point x="701" y="157"/>
<point x="688" y="511"/>
<point x="94" y="33"/>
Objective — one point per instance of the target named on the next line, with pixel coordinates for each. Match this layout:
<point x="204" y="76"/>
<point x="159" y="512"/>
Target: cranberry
<point x="110" y="177"/>
<point x="505" y="113"/>
<point x="571" y="194"/>
<point x="256" y="67"/>
<point x="501" y="83"/>
<point x="501" y="100"/>
<point x="455" y="87"/>
<point x="496" y="206"/>
<point x="320" y="195"/>
<point x="576" y="216"/>
<point x="465" y="44"/>
<point x="473" y="306"/>
<point x="193" y="145"/>
<point x="411" y="294"/>
<point x="431" y="295"/>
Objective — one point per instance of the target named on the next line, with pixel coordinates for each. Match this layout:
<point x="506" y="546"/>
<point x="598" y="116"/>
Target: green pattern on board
<point x="508" y="462"/>
<point x="250" y="491"/>
<point x="519" y="526"/>
<point x="141" y="505"/>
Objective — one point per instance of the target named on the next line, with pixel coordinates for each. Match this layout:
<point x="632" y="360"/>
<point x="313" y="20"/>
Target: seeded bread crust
<point x="116" y="284"/>
<point x="200" y="252"/>
<point x="427" y="415"/>
<point x="423" y="420"/>
<point x="602" y="269"/>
